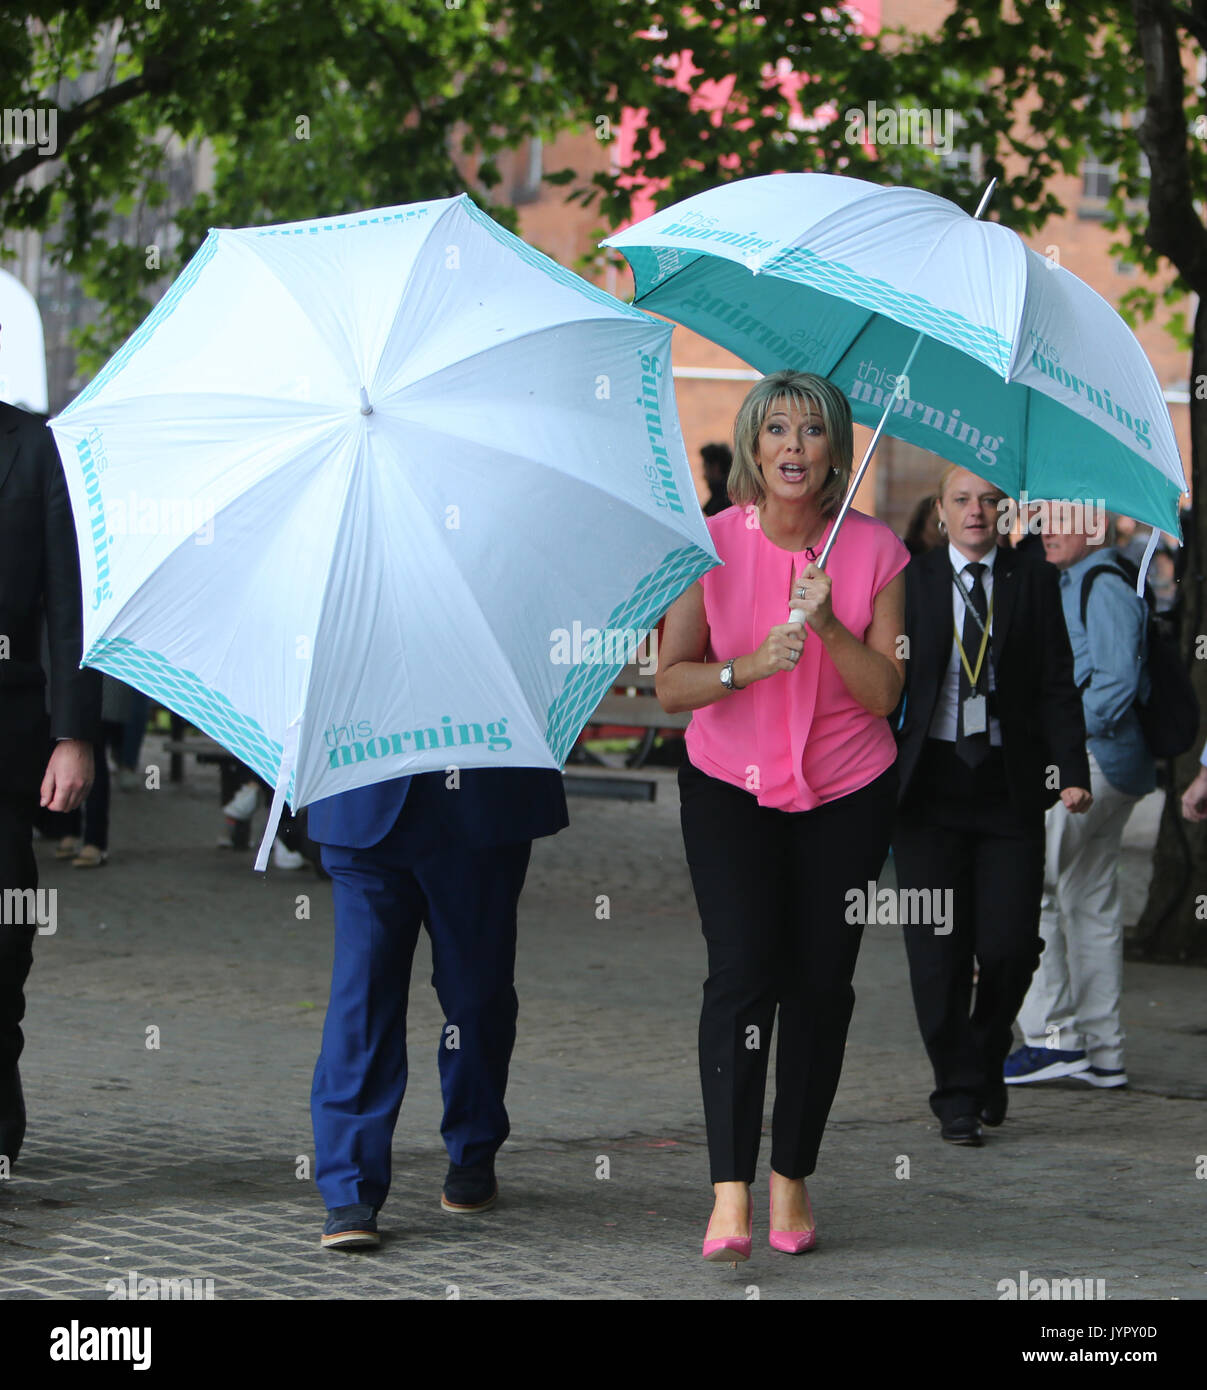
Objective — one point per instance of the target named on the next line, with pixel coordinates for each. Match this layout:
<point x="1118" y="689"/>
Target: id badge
<point x="975" y="714"/>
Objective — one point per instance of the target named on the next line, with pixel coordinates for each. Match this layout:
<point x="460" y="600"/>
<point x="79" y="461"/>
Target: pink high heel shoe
<point x="790" y="1242"/>
<point x="730" y="1248"/>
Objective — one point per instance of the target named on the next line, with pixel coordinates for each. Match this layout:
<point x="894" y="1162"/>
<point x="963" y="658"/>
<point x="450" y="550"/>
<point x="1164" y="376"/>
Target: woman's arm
<point x="685" y="681"/>
<point x="873" y="670"/>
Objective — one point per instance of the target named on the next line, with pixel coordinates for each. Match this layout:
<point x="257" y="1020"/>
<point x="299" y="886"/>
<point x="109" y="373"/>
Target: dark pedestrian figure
<point x="39" y="572"/>
<point x="718" y="459"/>
<point x="922" y="533"/>
<point x="992" y="734"/>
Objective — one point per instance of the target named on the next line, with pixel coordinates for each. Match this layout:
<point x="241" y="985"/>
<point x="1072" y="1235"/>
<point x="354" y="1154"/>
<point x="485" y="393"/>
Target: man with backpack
<point x="1070" y="1016"/>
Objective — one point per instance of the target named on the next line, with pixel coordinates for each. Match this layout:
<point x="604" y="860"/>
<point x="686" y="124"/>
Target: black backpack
<point x="1170" y="718"/>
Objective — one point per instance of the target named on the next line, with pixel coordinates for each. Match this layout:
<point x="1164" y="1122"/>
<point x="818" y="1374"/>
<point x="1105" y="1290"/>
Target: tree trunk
<point x="1173" y="926"/>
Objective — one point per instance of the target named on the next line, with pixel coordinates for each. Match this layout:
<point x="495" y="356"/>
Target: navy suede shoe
<point x="472" y="1188"/>
<point x="351" y="1228"/>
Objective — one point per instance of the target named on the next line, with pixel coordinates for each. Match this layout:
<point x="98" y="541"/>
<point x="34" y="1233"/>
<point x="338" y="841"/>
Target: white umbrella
<point x="946" y="329"/>
<point x="352" y="495"/>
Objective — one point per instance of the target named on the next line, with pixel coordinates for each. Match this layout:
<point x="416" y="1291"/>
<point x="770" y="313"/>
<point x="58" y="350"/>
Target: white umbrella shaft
<point x="796" y="615"/>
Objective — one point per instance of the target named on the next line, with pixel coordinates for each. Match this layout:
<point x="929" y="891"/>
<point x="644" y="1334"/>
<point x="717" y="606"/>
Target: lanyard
<point x="972" y="675"/>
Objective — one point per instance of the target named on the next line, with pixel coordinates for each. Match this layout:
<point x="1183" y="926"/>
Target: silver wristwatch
<point x="727" y="675"/>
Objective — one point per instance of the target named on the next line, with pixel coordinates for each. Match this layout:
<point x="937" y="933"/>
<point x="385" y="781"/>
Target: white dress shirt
<point x="944" y="723"/>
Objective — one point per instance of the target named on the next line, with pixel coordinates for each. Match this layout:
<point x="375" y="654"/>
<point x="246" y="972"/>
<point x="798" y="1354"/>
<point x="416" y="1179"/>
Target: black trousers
<point x="95" y="820"/>
<point x="771" y="887"/>
<point x="959" y="830"/>
<point x="24" y="742"/>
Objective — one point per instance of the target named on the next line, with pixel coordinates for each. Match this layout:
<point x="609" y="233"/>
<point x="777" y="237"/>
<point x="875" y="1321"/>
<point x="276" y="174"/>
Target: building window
<point x="1097" y="179"/>
<point x="963" y="162"/>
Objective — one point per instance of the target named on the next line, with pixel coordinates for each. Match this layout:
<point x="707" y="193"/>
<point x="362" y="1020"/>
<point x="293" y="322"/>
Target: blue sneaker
<point x="1042" y="1064"/>
<point x="351" y="1228"/>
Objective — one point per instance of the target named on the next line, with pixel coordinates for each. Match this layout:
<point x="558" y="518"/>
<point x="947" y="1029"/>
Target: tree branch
<point x="1194" y="24"/>
<point x="1174" y="228"/>
<point x="156" y="76"/>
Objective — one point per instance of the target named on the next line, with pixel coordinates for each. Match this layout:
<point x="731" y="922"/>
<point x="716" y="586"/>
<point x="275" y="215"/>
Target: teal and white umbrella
<point x="1022" y="373"/>
<point x="380" y="494"/>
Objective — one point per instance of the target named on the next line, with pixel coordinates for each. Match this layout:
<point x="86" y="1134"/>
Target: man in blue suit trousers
<point x="448" y="851"/>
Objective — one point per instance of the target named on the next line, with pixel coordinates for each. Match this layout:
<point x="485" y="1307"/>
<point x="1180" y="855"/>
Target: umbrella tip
<point x="365" y="407"/>
<point x="984" y="203"/>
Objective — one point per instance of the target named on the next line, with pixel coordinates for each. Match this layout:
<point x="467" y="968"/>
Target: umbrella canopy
<point x="356" y="494"/>
<point x="1025" y="375"/>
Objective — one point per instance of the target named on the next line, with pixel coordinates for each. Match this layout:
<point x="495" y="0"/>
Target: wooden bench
<point x="633" y="705"/>
<point x="201" y="747"/>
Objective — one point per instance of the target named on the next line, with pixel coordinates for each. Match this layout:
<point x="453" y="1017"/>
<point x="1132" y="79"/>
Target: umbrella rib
<point x="318" y="617"/>
<point x="1026" y="438"/>
<point x="594" y="483"/>
<point x="674" y="275"/>
<point x="288" y="289"/>
<point x="873" y="315"/>
<point x="402" y="296"/>
<point x="494" y="347"/>
<point x="183" y="540"/>
<point x="603" y="316"/>
<point x="536" y="714"/>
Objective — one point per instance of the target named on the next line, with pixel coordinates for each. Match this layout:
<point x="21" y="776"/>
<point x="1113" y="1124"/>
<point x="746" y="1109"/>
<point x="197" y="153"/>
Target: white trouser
<point x="1073" y="1002"/>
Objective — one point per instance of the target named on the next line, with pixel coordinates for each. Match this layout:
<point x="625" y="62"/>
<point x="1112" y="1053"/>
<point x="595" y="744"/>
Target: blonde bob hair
<point x="810" y="393"/>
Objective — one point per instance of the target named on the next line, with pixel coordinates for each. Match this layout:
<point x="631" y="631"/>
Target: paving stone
<point x="180" y="1161"/>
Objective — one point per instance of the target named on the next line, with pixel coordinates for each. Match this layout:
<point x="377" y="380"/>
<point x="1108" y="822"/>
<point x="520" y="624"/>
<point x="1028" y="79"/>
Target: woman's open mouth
<point x="792" y="472"/>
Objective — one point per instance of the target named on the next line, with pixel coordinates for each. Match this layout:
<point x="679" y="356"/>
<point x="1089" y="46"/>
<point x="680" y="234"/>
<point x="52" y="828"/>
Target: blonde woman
<point x="787" y="800"/>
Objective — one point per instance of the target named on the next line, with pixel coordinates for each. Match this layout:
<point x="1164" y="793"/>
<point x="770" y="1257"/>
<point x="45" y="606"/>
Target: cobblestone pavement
<point x="189" y="1160"/>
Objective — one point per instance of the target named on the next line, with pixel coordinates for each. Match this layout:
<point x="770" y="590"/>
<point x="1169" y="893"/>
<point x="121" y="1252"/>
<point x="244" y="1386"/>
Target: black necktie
<point x="973" y="748"/>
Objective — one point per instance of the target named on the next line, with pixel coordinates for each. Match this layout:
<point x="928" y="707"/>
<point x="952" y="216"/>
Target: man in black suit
<point x="39" y="575"/>
<point x="992" y="733"/>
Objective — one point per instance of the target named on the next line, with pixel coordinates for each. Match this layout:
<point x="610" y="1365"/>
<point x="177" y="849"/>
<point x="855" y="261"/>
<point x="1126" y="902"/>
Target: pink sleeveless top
<point x="799" y="738"/>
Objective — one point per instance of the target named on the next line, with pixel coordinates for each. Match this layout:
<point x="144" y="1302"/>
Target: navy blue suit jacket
<point x="492" y="806"/>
